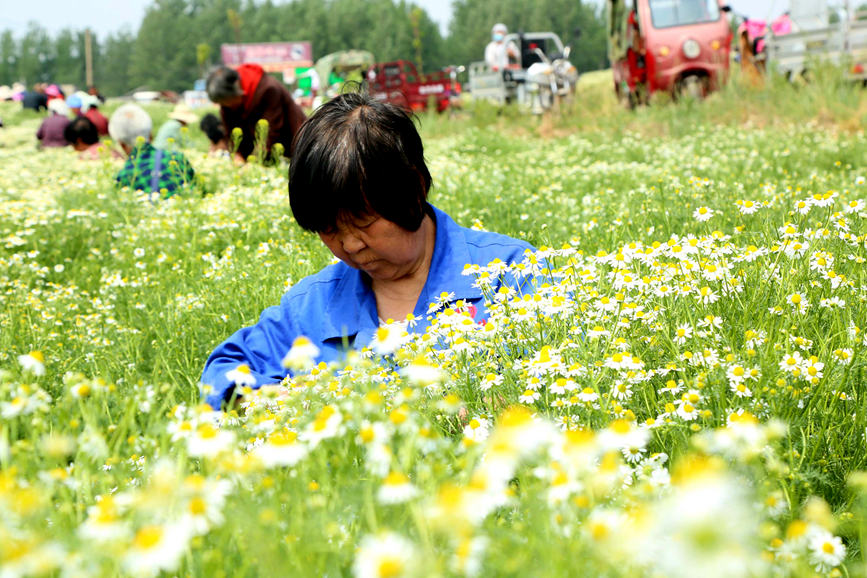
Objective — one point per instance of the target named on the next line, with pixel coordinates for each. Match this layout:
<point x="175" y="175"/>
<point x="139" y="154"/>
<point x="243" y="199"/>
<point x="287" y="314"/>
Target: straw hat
<point x="184" y="114"/>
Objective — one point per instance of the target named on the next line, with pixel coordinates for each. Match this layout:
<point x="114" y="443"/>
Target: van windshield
<point x="668" y="13"/>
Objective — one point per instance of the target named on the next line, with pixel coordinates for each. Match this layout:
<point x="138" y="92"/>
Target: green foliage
<point x="125" y="300"/>
<point x="113" y="68"/>
<point x="179" y="39"/>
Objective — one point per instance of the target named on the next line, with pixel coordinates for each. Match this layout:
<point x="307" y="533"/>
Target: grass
<point x="651" y="307"/>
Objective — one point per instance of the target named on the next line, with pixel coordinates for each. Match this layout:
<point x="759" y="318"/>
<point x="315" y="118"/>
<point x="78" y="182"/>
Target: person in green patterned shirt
<point x="157" y="173"/>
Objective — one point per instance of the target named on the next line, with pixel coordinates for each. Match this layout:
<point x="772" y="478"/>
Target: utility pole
<point x="88" y="59"/>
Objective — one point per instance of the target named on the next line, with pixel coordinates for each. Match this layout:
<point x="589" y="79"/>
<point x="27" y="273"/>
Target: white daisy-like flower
<point x="281" y="448"/>
<point x="422" y="372"/>
<point x="386" y="555"/>
<point x="302" y="355"/>
<point x="826" y="550"/>
<point x="157" y="548"/>
<point x="702" y="214"/>
<point x="388" y="338"/>
<point x="208" y="441"/>
<point x="477" y="430"/>
<point x="241" y="376"/>
<point x="396" y="489"/>
<point x="34" y="362"/>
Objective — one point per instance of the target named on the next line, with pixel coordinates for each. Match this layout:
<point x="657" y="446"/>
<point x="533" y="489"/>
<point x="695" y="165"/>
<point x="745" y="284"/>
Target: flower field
<point x="682" y="393"/>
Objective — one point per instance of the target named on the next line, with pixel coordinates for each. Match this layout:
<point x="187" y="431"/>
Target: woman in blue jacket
<point x="358" y="178"/>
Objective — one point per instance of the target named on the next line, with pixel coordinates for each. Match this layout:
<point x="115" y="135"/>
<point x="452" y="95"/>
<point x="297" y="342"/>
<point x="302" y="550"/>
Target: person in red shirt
<point x="247" y="95"/>
<point x="97" y="118"/>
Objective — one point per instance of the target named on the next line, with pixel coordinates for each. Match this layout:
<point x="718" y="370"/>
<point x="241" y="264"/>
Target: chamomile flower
<point x="34" y="362"/>
<point x="422" y="372"/>
<point x="477" y="429"/>
<point x="156" y="548"/>
<point x="104" y="522"/>
<point x="826" y="550"/>
<point x="682" y="333"/>
<point x="702" y="214"/>
<point x="281" y="448"/>
<point x="385" y="555"/>
<point x="396" y="489"/>
<point x="301" y="355"/>
<point x="490" y="380"/>
<point x="389" y="337"/>
<point x="241" y="376"/>
<point x="207" y="441"/>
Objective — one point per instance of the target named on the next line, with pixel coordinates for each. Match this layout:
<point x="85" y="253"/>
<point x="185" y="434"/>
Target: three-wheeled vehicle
<point x="539" y="76"/>
<point x="400" y="83"/>
<point x="667" y="45"/>
<point x="336" y="68"/>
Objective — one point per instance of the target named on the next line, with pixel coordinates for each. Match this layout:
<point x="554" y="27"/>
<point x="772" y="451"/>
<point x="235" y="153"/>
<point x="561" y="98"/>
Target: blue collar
<point x="353" y="308"/>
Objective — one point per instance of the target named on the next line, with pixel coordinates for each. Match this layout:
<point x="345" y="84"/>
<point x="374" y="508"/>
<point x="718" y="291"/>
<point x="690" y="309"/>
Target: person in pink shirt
<point x="82" y="135"/>
<point x="782" y="25"/>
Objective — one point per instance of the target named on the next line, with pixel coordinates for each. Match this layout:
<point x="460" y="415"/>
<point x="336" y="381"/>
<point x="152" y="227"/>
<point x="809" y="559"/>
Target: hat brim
<point x="184" y="117"/>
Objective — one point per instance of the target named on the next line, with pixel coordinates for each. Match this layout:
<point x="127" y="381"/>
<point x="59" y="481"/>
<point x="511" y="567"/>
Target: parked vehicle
<point x="841" y="44"/>
<point x="336" y="68"/>
<point x="541" y="74"/>
<point x="400" y="83"/>
<point x="667" y="45"/>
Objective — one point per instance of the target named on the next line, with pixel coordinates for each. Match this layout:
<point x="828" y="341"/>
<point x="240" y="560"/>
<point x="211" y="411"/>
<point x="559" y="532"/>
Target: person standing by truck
<point x="499" y="53"/>
<point x="248" y="95"/>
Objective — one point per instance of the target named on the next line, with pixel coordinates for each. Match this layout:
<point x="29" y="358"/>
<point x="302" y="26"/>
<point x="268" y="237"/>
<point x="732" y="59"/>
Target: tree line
<point x="178" y="40"/>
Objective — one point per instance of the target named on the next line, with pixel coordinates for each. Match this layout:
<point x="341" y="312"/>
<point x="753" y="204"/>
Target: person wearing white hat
<point x="50" y="133"/>
<point x="498" y="52"/>
<point x="169" y="133"/>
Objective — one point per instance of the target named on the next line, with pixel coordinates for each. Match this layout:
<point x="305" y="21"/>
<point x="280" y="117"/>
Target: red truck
<point x="400" y="83"/>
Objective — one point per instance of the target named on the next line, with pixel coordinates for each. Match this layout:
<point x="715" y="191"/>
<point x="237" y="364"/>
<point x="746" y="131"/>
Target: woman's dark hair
<point x="355" y="157"/>
<point x="223" y="84"/>
<point x="213" y="128"/>
<point x="81" y="128"/>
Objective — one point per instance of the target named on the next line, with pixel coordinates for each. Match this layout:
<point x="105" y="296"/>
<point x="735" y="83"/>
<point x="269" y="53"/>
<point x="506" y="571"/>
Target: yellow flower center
<point x="390" y="567"/>
<point x="148" y="537"/>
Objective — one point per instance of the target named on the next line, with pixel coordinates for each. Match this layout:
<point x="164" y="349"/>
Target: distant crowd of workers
<point x="156" y="165"/>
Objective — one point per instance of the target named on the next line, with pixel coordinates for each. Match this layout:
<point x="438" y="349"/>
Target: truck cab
<point x="665" y="45"/>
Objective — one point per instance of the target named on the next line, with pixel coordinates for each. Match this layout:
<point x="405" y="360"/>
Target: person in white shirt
<point x="498" y="52"/>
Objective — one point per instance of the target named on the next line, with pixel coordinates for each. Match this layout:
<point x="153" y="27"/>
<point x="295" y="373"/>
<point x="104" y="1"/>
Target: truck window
<point x="669" y="13"/>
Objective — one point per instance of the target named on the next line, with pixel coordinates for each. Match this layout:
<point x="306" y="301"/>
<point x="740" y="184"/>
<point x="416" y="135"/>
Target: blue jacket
<point x="338" y="304"/>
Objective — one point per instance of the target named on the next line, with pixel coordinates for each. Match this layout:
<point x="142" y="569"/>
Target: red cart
<point x="400" y="83"/>
<point x="667" y="45"/>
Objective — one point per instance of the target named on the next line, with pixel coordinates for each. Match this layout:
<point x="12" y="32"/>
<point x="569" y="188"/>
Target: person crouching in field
<point x="83" y="135"/>
<point x="156" y="172"/>
<point x="50" y="133"/>
<point x="358" y="179"/>
<point x="248" y="95"/>
<point x="213" y="129"/>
